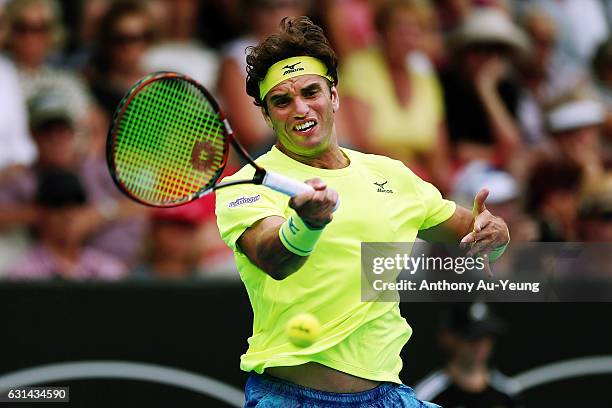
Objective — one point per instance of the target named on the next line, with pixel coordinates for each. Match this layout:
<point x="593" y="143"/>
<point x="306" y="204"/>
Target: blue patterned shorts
<point x="264" y="391"/>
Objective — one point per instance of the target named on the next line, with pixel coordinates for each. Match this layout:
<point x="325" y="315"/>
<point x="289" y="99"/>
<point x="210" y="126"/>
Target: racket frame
<point x="230" y="138"/>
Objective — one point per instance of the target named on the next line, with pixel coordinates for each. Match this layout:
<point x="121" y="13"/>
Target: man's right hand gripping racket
<point x="169" y="143"/>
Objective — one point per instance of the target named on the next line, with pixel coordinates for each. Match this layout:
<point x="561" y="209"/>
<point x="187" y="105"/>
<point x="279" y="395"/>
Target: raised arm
<point x="262" y="244"/>
<point x="505" y="130"/>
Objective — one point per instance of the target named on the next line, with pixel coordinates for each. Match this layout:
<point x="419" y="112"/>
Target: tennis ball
<point x="303" y="329"/>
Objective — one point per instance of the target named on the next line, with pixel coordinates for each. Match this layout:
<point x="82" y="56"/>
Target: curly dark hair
<point x="297" y="36"/>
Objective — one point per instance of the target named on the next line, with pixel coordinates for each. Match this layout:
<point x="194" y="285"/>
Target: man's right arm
<point x="261" y="242"/>
<point x="262" y="245"/>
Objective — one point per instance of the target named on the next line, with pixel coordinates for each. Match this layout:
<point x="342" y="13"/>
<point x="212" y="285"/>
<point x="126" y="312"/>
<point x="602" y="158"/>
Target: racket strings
<point x="170" y="143"/>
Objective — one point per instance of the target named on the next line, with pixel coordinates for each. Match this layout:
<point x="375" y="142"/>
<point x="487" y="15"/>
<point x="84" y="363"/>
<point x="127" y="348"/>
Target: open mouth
<point x="305" y="127"/>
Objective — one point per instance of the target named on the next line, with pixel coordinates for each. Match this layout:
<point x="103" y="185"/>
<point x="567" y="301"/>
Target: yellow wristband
<point x="297" y="237"/>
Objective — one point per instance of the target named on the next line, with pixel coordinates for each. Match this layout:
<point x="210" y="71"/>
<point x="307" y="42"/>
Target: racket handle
<point x="288" y="186"/>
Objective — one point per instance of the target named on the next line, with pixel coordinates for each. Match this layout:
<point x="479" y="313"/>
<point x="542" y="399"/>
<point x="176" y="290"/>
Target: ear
<point x="267" y="118"/>
<point x="335" y="99"/>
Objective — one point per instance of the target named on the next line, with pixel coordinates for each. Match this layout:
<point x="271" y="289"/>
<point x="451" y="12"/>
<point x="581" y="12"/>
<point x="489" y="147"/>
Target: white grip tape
<point x="288" y="186"/>
<point x="284" y="184"/>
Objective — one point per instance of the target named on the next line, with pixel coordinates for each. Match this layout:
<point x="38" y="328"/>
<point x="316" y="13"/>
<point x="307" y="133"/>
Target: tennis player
<point x="298" y="255"/>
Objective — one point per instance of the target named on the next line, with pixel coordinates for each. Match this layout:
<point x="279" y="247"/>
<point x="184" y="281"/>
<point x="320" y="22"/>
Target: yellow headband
<point x="289" y="68"/>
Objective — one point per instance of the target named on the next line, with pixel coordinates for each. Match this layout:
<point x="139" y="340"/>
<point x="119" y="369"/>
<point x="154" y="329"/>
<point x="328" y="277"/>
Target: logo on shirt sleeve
<point x="243" y="200"/>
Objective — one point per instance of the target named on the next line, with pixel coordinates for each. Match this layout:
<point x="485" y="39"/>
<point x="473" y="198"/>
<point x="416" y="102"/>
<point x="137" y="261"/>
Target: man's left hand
<point x="489" y="232"/>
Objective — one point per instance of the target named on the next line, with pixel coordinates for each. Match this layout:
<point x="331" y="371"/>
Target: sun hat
<point x="489" y="26"/>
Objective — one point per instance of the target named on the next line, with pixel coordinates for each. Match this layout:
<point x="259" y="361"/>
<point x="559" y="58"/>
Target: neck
<point x="471" y="378"/>
<point x="330" y="159"/>
<point x="396" y="61"/>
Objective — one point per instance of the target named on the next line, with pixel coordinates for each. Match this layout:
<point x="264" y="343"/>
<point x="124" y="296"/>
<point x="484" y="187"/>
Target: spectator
<point x="36" y="32"/>
<point x="17" y="147"/>
<point x="544" y="76"/>
<point x="553" y="194"/>
<point x="349" y="24"/>
<point x="112" y="222"/>
<point x="184" y="243"/>
<point x="18" y="150"/>
<point x="392" y="96"/>
<point x="582" y="27"/>
<point x="117" y="63"/>
<point x="178" y="50"/>
<point x="595" y="214"/>
<point x="53" y="133"/>
<point x="602" y="73"/>
<point x="52" y="127"/>
<point x="452" y="12"/>
<point x="172" y="251"/>
<point x="91" y="13"/>
<point x="595" y="230"/>
<point x="480" y="96"/>
<point x="59" y="251"/>
<point x="575" y="126"/>
<point x="263" y="17"/>
<point x="467" y="334"/>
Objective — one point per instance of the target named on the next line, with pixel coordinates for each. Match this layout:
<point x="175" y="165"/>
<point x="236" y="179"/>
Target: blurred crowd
<point x="515" y="96"/>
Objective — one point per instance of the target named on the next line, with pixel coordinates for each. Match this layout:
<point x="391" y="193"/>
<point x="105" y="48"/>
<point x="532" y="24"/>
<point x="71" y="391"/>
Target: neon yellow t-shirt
<point x="360" y="338"/>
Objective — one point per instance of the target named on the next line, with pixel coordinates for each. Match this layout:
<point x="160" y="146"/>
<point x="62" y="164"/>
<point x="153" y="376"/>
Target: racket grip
<point x="288" y="186"/>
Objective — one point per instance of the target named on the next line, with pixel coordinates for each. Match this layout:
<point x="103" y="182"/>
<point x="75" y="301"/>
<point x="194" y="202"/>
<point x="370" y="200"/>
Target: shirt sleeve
<point x="437" y="209"/>
<point x="239" y="207"/>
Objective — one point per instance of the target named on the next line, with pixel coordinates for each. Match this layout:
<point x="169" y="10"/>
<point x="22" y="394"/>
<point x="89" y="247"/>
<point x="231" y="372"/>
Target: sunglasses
<point x="132" y="38"/>
<point x="23" y="27"/>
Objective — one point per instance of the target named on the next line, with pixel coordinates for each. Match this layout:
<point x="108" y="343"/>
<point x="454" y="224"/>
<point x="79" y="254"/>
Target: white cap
<point x="576" y="114"/>
<point x="478" y="175"/>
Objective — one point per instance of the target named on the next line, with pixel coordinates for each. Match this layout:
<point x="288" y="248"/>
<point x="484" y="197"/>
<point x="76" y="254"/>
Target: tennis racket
<point x="169" y="143"/>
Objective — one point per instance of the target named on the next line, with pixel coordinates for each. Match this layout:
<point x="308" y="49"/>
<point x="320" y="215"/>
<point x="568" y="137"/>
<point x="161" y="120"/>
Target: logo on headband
<point x="290" y="68"/>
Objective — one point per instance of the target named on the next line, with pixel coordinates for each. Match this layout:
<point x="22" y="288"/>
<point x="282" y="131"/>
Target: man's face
<point x="131" y="37"/>
<point x="32" y="35"/>
<point x="470" y="351"/>
<point x="404" y="32"/>
<point x="475" y="58"/>
<point x="301" y="112"/>
<point x="62" y="226"/>
<point x="582" y="140"/>
<point x="56" y="145"/>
